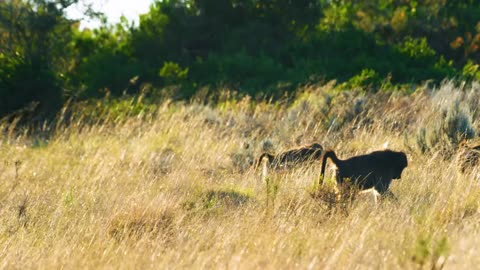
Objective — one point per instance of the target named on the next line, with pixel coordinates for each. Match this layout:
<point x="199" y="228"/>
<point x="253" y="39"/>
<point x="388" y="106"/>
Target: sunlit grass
<point x="173" y="188"/>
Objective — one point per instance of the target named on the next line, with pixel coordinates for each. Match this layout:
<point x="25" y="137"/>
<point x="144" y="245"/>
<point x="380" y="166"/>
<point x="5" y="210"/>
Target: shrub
<point x="23" y="83"/>
<point x="416" y="48"/>
<point x="172" y="73"/>
<point x="448" y="126"/>
<point x="366" y="79"/>
<point x="471" y="70"/>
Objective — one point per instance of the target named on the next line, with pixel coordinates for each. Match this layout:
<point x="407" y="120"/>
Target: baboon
<point x="374" y="170"/>
<point x="303" y="154"/>
<point x="468" y="156"/>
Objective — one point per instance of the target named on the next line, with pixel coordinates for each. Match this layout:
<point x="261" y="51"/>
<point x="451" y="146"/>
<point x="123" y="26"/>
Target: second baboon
<point x="374" y="170"/>
<point x="303" y="154"/>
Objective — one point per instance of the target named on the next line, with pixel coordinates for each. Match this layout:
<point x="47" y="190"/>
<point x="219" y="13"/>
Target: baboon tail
<point x="327" y="154"/>
<point x="259" y="160"/>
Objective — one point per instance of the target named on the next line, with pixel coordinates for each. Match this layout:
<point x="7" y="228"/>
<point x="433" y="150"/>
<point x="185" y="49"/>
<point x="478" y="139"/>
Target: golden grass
<point x="173" y="189"/>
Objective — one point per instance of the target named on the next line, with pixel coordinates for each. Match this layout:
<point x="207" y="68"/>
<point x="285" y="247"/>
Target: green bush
<point x="172" y="73"/>
<point x="23" y="83"/>
<point x="416" y="48"/>
<point x="471" y="70"/>
<point x="446" y="130"/>
<point x="252" y="47"/>
<point x="368" y="78"/>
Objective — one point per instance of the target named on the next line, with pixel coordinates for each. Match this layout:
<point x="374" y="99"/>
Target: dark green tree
<point x="35" y="57"/>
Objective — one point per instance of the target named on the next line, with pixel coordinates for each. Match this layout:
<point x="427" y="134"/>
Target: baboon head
<point x="400" y="160"/>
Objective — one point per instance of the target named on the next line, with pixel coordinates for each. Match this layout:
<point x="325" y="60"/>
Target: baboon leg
<point x="371" y="192"/>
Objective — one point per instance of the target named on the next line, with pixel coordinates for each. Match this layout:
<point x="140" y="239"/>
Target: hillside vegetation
<point x="260" y="48"/>
<point x="144" y="185"/>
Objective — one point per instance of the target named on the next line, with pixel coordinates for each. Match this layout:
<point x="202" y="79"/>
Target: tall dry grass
<point x="173" y="188"/>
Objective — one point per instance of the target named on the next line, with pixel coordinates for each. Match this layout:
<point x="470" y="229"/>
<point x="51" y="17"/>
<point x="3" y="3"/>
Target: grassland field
<point x="172" y="187"/>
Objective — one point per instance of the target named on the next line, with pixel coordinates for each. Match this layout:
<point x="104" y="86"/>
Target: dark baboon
<point x="376" y="169"/>
<point x="468" y="156"/>
<point x="294" y="156"/>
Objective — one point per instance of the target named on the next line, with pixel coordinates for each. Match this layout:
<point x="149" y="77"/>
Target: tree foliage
<point x="34" y="53"/>
<point x="253" y="46"/>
